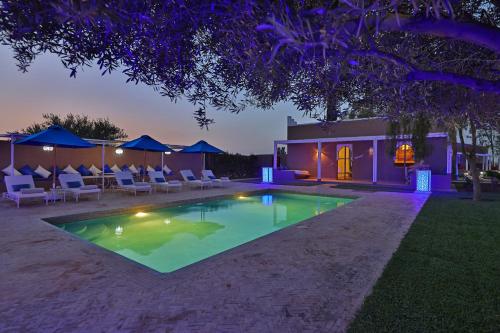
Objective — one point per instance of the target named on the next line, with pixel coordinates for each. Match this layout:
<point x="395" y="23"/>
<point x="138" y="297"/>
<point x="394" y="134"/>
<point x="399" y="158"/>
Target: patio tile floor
<point x="310" y="277"/>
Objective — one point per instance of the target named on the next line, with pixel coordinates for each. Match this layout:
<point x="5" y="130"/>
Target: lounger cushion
<point x="127" y="182"/>
<point x="160" y="180"/>
<point x="107" y="169"/>
<point x="19" y="187"/>
<point x="84" y="171"/>
<point x="167" y="170"/>
<point x="158" y="168"/>
<point x="133" y="169"/>
<point x="212" y="177"/>
<point x="191" y="178"/>
<point x="150" y="168"/>
<point x="125" y="167"/>
<point x="75" y="184"/>
<point x="28" y="171"/>
<point x="70" y="169"/>
<point x="89" y="187"/>
<point x="115" y="168"/>
<point x="7" y="172"/>
<point x="95" y="170"/>
<point x="32" y="190"/>
<point x="42" y="172"/>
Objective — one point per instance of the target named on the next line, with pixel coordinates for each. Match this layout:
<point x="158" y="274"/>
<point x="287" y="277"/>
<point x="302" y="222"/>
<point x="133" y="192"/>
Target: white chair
<point x="73" y="183"/>
<point x="209" y="175"/>
<point x="191" y="180"/>
<point x="126" y="182"/>
<point x="23" y="187"/>
<point x="158" y="181"/>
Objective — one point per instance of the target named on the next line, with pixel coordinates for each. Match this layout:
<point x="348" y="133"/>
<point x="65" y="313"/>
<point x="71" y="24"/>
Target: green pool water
<point x="170" y="238"/>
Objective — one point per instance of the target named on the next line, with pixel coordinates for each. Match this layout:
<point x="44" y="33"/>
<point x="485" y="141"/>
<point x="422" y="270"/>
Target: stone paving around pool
<point x="309" y="277"/>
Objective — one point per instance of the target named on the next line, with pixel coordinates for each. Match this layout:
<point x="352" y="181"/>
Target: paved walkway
<point x="310" y="277"/>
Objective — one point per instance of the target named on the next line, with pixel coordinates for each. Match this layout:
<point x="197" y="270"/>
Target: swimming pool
<point x="170" y="238"/>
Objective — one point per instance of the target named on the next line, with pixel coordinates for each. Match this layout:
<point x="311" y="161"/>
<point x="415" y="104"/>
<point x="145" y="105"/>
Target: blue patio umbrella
<point x="146" y="143"/>
<point x="202" y="147"/>
<point x="55" y="136"/>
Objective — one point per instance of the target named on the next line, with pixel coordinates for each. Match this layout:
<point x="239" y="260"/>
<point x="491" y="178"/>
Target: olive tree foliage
<point x="489" y="136"/>
<point x="465" y="112"/>
<point x="81" y="125"/>
<point x="358" y="51"/>
<point x="232" y="54"/>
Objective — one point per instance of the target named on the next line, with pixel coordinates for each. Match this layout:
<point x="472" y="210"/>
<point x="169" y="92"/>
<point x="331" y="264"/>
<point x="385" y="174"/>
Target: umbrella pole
<point x="144" y="167"/>
<point x="12" y="155"/>
<point x="102" y="160"/>
<point x="54" y="169"/>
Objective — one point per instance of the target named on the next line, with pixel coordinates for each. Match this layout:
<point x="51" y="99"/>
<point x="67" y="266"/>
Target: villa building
<point x="357" y="151"/>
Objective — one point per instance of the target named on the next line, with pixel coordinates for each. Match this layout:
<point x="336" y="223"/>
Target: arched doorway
<point x="344" y="162"/>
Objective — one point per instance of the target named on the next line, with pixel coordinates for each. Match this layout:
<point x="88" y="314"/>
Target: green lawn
<point x="445" y="276"/>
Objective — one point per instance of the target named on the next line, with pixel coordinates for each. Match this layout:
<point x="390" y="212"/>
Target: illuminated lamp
<point x="119" y="151"/>
<point x="424" y="180"/>
<point x="48" y="148"/>
<point x="267" y="175"/>
<point x="141" y="214"/>
<point x="168" y="152"/>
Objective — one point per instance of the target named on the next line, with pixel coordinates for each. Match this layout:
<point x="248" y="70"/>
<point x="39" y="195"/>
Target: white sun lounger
<point x="209" y="175"/>
<point x="23" y="187"/>
<point x="126" y="182"/>
<point x="191" y="180"/>
<point x="157" y="180"/>
<point x="73" y="183"/>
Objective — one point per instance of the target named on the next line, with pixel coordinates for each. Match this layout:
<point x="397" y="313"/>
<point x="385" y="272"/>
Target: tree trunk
<point x="452" y="133"/>
<point x="471" y="157"/>
<point x="331" y="108"/>
<point x="491" y="139"/>
<point x="476" y="183"/>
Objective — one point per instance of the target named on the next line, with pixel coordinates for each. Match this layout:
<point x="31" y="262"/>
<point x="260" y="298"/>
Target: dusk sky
<point x="138" y="109"/>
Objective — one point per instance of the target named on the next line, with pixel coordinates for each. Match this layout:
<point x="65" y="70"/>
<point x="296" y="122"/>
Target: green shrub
<point x="234" y="165"/>
<point x="493" y="174"/>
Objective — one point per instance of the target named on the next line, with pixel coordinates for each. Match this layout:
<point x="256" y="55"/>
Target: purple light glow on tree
<point x="393" y="57"/>
<point x="231" y="53"/>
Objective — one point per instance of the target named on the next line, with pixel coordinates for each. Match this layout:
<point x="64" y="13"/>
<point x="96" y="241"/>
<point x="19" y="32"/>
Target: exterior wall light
<point x="48" y="148"/>
<point x="168" y="152"/>
<point x="119" y="151"/>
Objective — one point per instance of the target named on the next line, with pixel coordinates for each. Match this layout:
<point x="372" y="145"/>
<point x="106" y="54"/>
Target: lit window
<point x="405" y="155"/>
